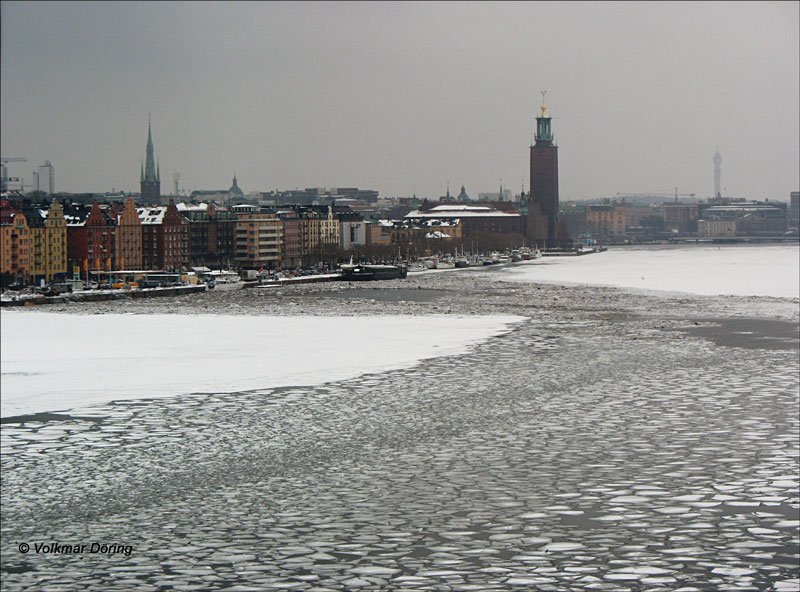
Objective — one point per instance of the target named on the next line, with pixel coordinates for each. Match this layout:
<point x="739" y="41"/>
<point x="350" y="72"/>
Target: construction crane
<point x="5" y="160"/>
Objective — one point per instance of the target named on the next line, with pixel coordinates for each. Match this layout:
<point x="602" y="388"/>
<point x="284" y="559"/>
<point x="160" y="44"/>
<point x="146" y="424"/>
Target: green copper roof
<point x="149" y="163"/>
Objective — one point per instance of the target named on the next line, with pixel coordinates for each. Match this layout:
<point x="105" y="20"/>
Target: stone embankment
<point x="101" y="295"/>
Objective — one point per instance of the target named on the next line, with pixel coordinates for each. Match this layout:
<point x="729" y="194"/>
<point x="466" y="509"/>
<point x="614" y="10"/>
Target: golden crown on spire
<point x="543" y="108"/>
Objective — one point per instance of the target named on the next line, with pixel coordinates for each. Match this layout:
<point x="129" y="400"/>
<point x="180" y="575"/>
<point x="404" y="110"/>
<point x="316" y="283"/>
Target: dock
<point x="574" y="253"/>
<point x="101" y="295"/>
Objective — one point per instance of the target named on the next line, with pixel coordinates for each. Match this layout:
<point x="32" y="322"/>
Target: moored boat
<point x="223" y="280"/>
<point x="366" y="272"/>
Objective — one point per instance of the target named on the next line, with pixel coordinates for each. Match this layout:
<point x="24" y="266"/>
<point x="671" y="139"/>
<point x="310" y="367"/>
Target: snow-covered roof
<point x="459" y="208"/>
<point x="437" y="234"/>
<point x="486" y="213"/>
<point x="152" y="215"/>
<point x="184" y="207"/>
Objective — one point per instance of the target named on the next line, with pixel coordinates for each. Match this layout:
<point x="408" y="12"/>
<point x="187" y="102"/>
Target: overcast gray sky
<point x="402" y="97"/>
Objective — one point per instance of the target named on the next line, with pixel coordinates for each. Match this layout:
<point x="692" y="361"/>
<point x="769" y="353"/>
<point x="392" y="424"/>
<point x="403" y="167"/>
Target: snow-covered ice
<point x="53" y="362"/>
<point x="763" y="270"/>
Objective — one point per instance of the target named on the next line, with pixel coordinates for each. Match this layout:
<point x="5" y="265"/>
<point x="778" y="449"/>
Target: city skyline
<point x="404" y="97"/>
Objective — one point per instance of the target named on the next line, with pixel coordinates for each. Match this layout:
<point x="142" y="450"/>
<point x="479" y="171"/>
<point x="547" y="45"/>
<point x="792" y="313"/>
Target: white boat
<point x="528" y="254"/>
<point x="445" y="264"/>
<point x="223" y="280"/>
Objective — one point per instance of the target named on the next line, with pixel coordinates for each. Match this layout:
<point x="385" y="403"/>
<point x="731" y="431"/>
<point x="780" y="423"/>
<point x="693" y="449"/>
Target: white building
<point x="44" y="178"/>
<point x="352" y="232"/>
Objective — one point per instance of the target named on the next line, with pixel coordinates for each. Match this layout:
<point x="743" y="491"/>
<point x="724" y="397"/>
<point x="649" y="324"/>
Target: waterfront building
<point x="36" y="243"/>
<point x="197" y="229"/>
<point x="128" y="236"/>
<point x="543" y="202"/>
<point x="716" y="228"/>
<point x="150" y="180"/>
<point x="678" y="218"/>
<point x="292" y="247"/>
<point x="55" y="243"/>
<point x="607" y="221"/>
<point x="90" y="237"/>
<point x="258" y="237"/>
<point x="14" y="245"/>
<point x="750" y="218"/>
<point x="211" y="233"/>
<point x="794" y="209"/>
<point x="75" y="216"/>
<point x="100" y="226"/>
<point x="221" y="236"/>
<point x="165" y="238"/>
<point x="352" y="229"/>
<point x="320" y="231"/>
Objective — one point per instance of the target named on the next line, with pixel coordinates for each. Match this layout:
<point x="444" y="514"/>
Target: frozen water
<point x="57" y="362"/>
<point x="493" y="469"/>
<point x="746" y="270"/>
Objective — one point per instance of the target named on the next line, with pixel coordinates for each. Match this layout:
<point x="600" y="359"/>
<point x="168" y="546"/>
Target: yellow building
<point x="55" y="242"/>
<point x="14" y="246"/>
<point x="47" y="242"/>
<point x="319" y="230"/>
<point x="37" y="244"/>
<point x="258" y="238"/>
<point x="606" y="220"/>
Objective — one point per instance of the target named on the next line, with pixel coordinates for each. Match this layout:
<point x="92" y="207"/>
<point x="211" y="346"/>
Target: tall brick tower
<point x="150" y="180"/>
<point x="543" y="203"/>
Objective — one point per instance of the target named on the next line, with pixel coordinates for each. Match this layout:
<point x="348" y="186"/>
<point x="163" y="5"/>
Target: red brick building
<point x="292" y="238"/>
<point x="90" y="237"/>
<point x="165" y="238"/>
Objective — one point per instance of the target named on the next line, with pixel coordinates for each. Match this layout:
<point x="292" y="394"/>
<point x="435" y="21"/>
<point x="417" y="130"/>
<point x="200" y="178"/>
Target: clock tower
<point x="543" y="202"/>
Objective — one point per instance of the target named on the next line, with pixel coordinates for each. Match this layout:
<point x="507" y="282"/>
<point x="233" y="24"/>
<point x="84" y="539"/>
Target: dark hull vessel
<point x="373" y="272"/>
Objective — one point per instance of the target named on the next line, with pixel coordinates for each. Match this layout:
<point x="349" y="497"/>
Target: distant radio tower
<point x="176" y="177"/>
<point x="717" y="173"/>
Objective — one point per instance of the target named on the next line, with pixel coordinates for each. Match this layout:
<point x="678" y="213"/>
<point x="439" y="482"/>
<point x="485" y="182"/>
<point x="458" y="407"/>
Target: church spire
<point x="149" y="163"/>
<point x="150" y="182"/>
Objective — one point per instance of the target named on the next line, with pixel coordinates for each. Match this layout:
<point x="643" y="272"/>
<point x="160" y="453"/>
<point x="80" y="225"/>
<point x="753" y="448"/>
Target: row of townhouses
<point x="53" y="241"/>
